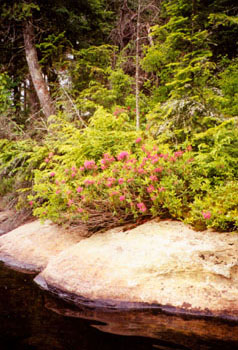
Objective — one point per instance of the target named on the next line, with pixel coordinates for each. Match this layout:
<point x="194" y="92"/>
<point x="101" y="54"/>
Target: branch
<point x="74" y="107"/>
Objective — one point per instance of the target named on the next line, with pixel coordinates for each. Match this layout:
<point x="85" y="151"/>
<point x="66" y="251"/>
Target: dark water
<point x="31" y="319"/>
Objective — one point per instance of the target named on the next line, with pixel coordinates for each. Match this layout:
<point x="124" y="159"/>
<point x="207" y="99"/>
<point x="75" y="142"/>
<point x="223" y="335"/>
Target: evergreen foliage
<point x="88" y="158"/>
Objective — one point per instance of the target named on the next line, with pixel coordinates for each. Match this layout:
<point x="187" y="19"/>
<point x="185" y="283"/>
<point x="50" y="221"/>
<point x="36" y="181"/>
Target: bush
<point x="141" y="179"/>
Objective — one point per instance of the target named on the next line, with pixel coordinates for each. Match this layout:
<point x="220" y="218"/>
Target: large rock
<point x="163" y="263"/>
<point x="30" y="246"/>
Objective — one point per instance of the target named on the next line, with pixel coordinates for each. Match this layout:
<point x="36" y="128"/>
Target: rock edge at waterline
<point x="163" y="264"/>
<point x="30" y="247"/>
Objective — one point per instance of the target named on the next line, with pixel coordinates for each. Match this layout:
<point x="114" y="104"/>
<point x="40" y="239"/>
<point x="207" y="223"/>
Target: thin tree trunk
<point x="17" y="99"/>
<point x="24" y="96"/>
<point x="32" y="100"/>
<point x="138" y="67"/>
<point x="35" y="71"/>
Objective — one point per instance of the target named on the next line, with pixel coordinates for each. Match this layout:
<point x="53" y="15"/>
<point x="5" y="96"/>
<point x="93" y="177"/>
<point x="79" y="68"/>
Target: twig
<point x="74" y="107"/>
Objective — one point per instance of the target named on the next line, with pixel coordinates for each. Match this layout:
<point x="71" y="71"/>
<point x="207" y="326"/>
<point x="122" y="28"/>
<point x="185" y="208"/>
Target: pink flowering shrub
<point x="134" y="177"/>
<point x="109" y="167"/>
<point x="143" y="182"/>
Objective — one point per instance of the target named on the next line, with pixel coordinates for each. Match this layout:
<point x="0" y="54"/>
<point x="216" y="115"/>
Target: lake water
<point x="32" y="319"/>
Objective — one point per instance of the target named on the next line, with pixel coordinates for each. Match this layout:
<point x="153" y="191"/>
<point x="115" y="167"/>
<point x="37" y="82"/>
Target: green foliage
<point x="5" y="93"/>
<point x="181" y="58"/>
<point x="108" y="167"/>
<point x="228" y="83"/>
<point x="121" y="84"/>
<point x="17" y="161"/>
<point x="137" y="179"/>
<point x="189" y="96"/>
<point x="104" y="133"/>
<point x="90" y="65"/>
<point x="218" y="151"/>
<point x="177" y="120"/>
<point x="53" y="47"/>
<point x="19" y="11"/>
<point x="218" y="209"/>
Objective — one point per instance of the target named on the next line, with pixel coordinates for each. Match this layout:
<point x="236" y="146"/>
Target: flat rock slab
<point x="159" y="263"/>
<point x="30" y="246"/>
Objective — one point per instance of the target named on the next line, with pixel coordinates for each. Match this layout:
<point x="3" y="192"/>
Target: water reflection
<point x="31" y="319"/>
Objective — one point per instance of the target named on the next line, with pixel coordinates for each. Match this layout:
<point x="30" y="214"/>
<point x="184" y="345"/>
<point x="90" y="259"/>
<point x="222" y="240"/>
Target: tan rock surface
<point x="30" y="246"/>
<point x="164" y="263"/>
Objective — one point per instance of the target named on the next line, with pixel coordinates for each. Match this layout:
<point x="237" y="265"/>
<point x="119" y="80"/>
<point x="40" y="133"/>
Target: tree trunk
<point x="39" y="83"/>
<point x="32" y="100"/>
<point x="138" y="68"/>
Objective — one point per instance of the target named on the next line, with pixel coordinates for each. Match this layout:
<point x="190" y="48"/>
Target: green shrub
<point x="218" y="209"/>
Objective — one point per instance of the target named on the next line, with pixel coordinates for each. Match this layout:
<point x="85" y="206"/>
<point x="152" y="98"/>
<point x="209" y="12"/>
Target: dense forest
<point x="116" y="111"/>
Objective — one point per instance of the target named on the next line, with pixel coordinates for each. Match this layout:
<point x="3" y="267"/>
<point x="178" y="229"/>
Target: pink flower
<point x="68" y="192"/>
<point x="73" y="174"/>
<point x="165" y="156"/>
<point x="50" y="154"/>
<point x="206" y="215"/>
<point x="110" y="182"/>
<point x="107" y="159"/>
<point x="79" y="189"/>
<point x="141" y="206"/>
<point x="122" y="198"/>
<point x="63" y="181"/>
<point x="73" y="169"/>
<point x="47" y="160"/>
<point x="89" y="182"/>
<point x="118" y="111"/>
<point x="70" y="202"/>
<point x="121" y="180"/>
<point x="161" y="189"/>
<point x="52" y="174"/>
<point x="158" y="170"/>
<point x="122" y="155"/>
<point x="130" y="180"/>
<point x="80" y="210"/>
<point x="138" y="140"/>
<point x="178" y="154"/>
<point x="31" y="203"/>
<point x="66" y="171"/>
<point x="89" y="164"/>
<point x="82" y="168"/>
<point x="143" y="148"/>
<point x="141" y="171"/>
<point x="114" y="193"/>
<point x="155" y="160"/>
<point x="150" y="188"/>
<point x="153" y="178"/>
<point x="57" y="191"/>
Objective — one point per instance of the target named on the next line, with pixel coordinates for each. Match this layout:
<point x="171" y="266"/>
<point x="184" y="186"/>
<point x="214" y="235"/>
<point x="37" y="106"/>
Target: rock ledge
<point x="158" y="263"/>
